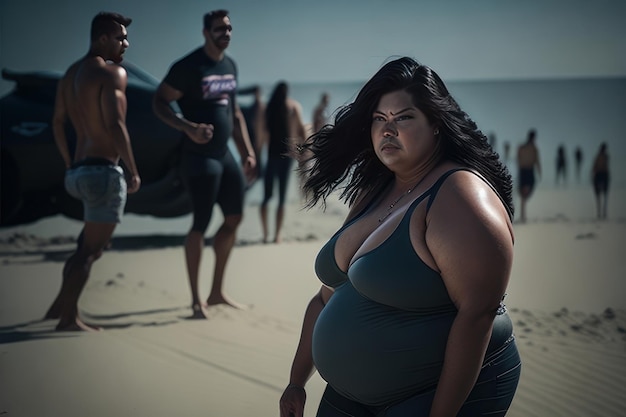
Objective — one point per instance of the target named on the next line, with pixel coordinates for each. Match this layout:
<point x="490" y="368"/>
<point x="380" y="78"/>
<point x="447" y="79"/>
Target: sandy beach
<point x="566" y="298"/>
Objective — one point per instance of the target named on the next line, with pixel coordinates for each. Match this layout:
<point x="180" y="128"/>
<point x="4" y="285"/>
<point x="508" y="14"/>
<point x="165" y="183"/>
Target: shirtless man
<point x="527" y="161"/>
<point x="92" y="95"/>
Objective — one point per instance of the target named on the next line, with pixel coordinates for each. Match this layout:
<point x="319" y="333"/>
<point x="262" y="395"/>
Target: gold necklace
<point x="404" y="194"/>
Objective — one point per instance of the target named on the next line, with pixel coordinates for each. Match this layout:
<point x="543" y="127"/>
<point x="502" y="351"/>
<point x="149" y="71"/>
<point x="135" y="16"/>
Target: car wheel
<point x="10" y="187"/>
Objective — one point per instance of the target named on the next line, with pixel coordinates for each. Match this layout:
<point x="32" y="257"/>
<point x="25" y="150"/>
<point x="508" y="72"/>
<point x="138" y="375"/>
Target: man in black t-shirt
<point x="204" y="84"/>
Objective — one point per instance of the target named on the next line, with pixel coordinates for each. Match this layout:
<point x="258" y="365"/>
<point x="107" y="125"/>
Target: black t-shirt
<point x="209" y="93"/>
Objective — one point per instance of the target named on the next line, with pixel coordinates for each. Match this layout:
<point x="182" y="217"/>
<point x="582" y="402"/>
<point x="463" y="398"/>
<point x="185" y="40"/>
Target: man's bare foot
<point x="197" y="312"/>
<point x="222" y="299"/>
<point x="77" y="326"/>
<point x="53" y="313"/>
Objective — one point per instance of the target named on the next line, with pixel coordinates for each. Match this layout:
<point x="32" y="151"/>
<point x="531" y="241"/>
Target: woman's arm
<point x="470" y="237"/>
<point x="293" y="398"/>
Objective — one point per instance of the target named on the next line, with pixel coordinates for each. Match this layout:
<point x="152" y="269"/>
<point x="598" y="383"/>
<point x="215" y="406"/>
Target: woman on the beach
<point x="283" y="120"/>
<point x="410" y="320"/>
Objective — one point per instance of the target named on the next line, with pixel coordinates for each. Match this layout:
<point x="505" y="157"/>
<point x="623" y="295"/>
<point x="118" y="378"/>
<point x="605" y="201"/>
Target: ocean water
<point x="570" y="112"/>
<point x="576" y="112"/>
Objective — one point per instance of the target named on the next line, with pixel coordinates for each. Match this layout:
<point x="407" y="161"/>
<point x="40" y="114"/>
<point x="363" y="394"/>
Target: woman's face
<point x="402" y="136"/>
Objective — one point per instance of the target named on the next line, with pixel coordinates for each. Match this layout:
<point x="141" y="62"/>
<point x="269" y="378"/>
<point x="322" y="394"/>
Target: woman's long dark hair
<point x="343" y="155"/>
<point x="276" y="113"/>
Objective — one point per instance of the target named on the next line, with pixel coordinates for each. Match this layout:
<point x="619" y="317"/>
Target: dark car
<point x="33" y="170"/>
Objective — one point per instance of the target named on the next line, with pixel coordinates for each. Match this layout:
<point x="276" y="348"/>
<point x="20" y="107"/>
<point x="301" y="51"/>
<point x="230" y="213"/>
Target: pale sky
<point x="337" y="40"/>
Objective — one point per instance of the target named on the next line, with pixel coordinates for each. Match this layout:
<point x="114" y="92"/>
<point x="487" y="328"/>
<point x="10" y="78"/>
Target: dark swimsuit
<point x="601" y="181"/>
<point x="527" y="178"/>
<point x="382" y="336"/>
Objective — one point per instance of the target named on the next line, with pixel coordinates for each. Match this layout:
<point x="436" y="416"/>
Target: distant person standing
<point x="493" y="140"/>
<point x="204" y="84"/>
<point x="507" y="151"/>
<point x="527" y="163"/>
<point x="600" y="178"/>
<point x="561" y="166"/>
<point x="320" y="117"/>
<point x="92" y="95"/>
<point x="578" y="158"/>
<point x="283" y="118"/>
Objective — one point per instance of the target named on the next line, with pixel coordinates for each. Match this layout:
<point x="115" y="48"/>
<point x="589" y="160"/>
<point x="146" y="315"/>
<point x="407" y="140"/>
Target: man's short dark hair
<point x="208" y="18"/>
<point x="106" y="22"/>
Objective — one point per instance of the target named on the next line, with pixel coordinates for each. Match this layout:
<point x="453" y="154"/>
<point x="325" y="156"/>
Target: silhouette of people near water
<point x="578" y="159"/>
<point x="561" y="166"/>
<point x="527" y="163"/>
<point x="493" y="140"/>
<point x="600" y="179"/>
<point x="319" y="113"/>
<point x="507" y="151"/>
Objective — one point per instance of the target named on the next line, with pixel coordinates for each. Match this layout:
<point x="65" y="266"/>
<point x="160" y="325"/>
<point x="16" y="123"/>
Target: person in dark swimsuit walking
<point x="600" y="179"/>
<point x="283" y="120"/>
<point x="561" y="166"/>
<point x="410" y="318"/>
<point x="578" y="158"/>
<point x="527" y="163"/>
